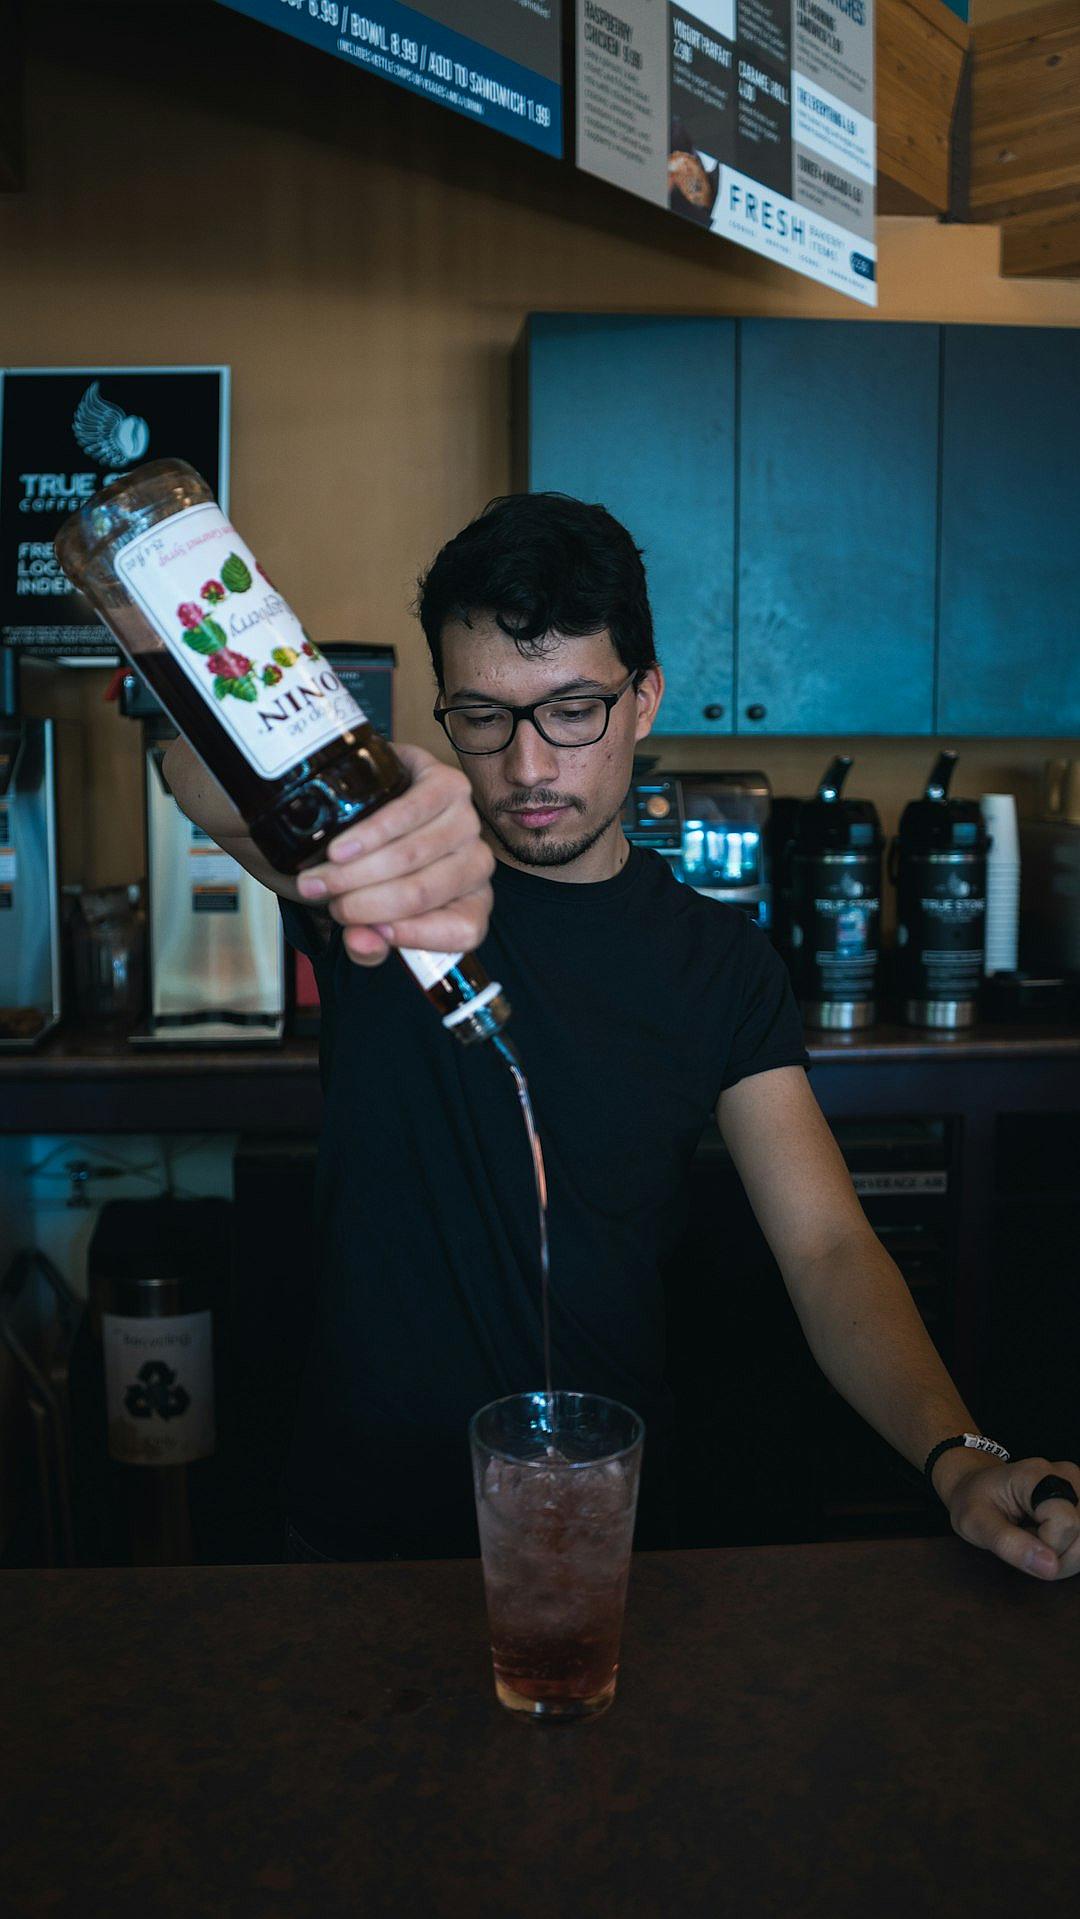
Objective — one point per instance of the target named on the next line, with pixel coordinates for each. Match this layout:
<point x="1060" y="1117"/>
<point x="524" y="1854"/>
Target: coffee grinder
<point x="29" y="909"/>
<point x="216" y="947"/>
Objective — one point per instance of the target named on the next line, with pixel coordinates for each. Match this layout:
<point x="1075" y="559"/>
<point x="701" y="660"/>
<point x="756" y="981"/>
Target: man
<point x="633" y="997"/>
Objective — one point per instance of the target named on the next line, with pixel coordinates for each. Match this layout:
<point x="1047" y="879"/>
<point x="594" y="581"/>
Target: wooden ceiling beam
<point x="1025" y="113"/>
<point x="1042" y="246"/>
<point x="1025" y="138"/>
<point x="921" y="50"/>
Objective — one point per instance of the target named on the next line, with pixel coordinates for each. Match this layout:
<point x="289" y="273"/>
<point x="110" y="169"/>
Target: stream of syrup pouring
<point x="504" y="1047"/>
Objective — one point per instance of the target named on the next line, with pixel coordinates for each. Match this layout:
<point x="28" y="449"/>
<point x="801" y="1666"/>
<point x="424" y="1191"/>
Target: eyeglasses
<point x="574" y="720"/>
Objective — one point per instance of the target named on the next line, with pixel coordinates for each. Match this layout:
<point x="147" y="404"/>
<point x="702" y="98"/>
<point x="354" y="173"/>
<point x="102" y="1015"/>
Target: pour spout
<point x="937" y="786"/>
<point x="832" y="780"/>
<point x="509" y="1052"/>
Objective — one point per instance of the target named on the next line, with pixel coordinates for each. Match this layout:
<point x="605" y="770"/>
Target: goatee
<point x="538" y="851"/>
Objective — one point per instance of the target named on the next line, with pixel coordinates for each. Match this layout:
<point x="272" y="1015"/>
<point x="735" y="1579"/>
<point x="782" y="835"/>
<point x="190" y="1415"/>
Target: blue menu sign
<point x="496" y="61"/>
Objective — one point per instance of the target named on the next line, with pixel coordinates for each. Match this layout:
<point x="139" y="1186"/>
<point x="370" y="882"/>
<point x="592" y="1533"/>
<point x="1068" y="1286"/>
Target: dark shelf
<point x="85" y="1081"/>
<point x="81" y="1080"/>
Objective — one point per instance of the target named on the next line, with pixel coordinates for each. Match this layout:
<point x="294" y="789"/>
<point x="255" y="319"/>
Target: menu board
<point x="65" y="432"/>
<point x="751" y="118"/>
<point x="497" y="61"/>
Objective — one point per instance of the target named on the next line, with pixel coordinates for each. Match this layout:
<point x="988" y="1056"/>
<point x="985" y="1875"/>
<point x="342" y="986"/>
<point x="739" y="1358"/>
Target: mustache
<point x="537" y="797"/>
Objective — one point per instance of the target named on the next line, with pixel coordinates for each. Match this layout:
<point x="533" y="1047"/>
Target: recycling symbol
<point x="155" y="1391"/>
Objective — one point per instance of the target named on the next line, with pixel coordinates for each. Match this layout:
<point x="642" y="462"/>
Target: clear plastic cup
<point x="556" y="1482"/>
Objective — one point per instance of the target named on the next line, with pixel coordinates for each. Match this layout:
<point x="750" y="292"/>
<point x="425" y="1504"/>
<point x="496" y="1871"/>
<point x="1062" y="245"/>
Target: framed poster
<point x="751" y="118"/>
<point x="65" y="432"/>
<point x="496" y="61"/>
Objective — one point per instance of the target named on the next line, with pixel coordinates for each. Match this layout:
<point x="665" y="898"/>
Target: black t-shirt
<point x="635" y="1001"/>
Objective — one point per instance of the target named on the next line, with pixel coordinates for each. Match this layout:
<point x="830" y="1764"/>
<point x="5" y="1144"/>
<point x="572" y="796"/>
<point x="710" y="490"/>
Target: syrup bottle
<point x="248" y="688"/>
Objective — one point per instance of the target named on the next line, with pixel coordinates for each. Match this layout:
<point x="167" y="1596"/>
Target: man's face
<point x="547" y="805"/>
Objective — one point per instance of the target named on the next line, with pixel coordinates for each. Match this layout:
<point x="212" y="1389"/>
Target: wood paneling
<point x="920" y="57"/>
<point x="1043" y="245"/>
<point x="1025" y="110"/>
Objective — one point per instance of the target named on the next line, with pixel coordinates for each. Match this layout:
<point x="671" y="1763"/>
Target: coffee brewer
<point x="830" y="914"/>
<point x="29" y="910"/>
<point x="938" y="865"/>
<point x="216" y="947"/>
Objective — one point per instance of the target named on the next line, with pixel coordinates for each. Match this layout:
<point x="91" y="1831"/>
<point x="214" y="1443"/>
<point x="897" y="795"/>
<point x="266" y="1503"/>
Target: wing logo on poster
<point x="65" y="432"/>
<point x="106" y="432"/>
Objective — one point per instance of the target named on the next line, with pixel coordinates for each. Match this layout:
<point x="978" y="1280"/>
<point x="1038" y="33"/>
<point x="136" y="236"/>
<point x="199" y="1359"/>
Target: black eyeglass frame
<point x="519" y="713"/>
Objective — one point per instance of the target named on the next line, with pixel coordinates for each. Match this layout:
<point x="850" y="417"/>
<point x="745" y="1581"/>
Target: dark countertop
<point x="74" y="1052"/>
<point x="81" y="1081"/>
<point x="884" y="1728"/>
<point x="894" y="1044"/>
<point x="80" y="1052"/>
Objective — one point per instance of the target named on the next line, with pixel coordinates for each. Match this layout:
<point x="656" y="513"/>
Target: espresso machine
<point x="216" y="947"/>
<point x="29" y="907"/>
<point x="711" y="828"/>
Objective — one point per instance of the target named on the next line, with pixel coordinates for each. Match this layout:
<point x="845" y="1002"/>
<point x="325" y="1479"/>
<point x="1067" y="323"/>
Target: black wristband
<point x="943" y="1446"/>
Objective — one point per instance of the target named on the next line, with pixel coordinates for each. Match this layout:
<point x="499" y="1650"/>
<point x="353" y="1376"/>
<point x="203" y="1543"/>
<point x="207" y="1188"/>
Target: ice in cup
<point x="556" y="1482"/>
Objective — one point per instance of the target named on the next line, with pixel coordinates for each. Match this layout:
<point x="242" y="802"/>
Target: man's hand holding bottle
<point x="414" y="873"/>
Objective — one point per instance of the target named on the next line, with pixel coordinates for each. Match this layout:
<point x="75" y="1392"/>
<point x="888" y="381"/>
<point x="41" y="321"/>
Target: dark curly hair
<point x="541" y="563"/>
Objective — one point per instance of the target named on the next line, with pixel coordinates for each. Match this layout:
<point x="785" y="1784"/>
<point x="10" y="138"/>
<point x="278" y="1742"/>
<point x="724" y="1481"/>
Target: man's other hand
<point x="990" y="1506"/>
<point x="416" y="873"/>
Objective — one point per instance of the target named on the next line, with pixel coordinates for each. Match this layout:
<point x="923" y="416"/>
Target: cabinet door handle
<point x="714" y="711"/>
<point x="755" y="712"/>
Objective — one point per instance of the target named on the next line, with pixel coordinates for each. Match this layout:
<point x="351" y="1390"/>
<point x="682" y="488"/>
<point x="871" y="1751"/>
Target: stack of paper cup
<point x="1002" y="883"/>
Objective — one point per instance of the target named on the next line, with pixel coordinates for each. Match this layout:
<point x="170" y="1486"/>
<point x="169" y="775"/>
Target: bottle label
<point x="429" y="968"/>
<point x="941" y="906"/>
<point x="237" y="640"/>
<point x="159" y="1388"/>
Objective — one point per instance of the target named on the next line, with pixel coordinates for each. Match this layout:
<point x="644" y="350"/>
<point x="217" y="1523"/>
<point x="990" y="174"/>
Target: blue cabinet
<point x="639" y="414"/>
<point x="849" y="527"/>
<point x="838" y="444"/>
<point x="1009" y="650"/>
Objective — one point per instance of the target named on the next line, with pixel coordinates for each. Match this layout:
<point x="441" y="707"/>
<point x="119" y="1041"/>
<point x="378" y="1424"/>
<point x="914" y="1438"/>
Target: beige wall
<point x="202" y="189"/>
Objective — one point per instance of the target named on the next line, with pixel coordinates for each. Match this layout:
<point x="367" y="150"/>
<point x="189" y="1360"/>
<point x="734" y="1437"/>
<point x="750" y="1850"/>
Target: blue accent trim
<point x="538" y="95"/>
<point x="97" y="372"/>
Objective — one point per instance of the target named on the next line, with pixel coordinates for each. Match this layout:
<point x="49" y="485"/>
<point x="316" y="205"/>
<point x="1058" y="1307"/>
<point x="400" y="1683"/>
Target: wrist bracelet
<point x="977" y="1441"/>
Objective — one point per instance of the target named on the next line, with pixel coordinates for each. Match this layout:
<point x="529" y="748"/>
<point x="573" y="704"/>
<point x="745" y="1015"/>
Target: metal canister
<point x="938" y="864"/>
<point x="833" y="904"/>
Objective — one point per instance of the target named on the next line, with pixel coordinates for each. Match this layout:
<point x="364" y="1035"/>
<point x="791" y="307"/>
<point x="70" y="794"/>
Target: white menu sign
<point x="751" y="118"/>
